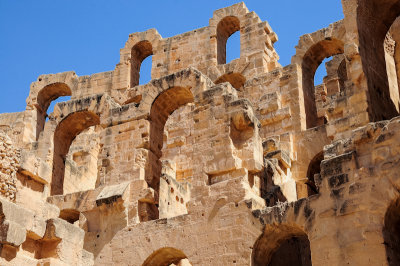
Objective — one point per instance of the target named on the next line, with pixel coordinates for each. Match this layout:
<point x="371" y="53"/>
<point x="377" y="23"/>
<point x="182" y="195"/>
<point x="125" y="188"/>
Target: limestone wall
<point x="9" y="163"/>
<point x="212" y="162"/>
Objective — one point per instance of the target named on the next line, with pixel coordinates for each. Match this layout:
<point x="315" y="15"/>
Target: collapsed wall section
<point x="9" y="163"/>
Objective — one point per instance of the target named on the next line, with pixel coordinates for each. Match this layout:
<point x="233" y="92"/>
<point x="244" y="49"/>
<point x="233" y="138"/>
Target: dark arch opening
<point x="342" y="75"/>
<point x="314" y="168"/>
<point x="164" y="257"/>
<point x="282" y="245"/>
<point x="163" y="106"/>
<point x="65" y="133"/>
<point x="225" y="28"/>
<point x="44" y="98"/>
<point x="139" y="52"/>
<point x="237" y="80"/>
<point x="374" y="18"/>
<point x="311" y="60"/>
<point x="391" y="233"/>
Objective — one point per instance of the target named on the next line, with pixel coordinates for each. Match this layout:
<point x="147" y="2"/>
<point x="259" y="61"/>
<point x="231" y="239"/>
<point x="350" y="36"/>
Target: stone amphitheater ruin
<point x="214" y="163"/>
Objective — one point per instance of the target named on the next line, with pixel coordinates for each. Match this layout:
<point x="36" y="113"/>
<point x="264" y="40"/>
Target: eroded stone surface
<point x="213" y="162"/>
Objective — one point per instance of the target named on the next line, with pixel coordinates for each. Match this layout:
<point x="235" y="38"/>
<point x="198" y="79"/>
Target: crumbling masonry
<point x="213" y="162"/>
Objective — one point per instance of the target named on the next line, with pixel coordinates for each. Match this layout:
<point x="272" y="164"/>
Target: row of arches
<point x="374" y="20"/>
<point x="70" y="125"/>
<point x="377" y="27"/>
<point x="286" y="244"/>
<point x="278" y="248"/>
<point x="228" y="47"/>
<point x="75" y="123"/>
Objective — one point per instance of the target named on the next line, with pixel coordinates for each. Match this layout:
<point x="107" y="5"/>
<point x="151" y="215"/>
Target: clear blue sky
<point x="51" y="36"/>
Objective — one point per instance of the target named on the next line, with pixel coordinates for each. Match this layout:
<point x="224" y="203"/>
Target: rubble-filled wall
<point x="9" y="161"/>
<point x="213" y="162"/>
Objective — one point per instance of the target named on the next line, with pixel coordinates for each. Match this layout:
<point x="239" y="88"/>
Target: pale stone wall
<point x="9" y="161"/>
<point x="213" y="162"/>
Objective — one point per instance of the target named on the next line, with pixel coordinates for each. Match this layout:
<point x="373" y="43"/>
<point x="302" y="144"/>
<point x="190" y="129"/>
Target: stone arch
<point x="65" y="133"/>
<point x="224" y="23"/>
<point x="164" y="105"/>
<point x="312" y="59"/>
<point x="314" y="168"/>
<point x="155" y="101"/>
<point x="139" y="52"/>
<point x="143" y="96"/>
<point x="139" y="46"/>
<point x="225" y="28"/>
<point x="374" y="19"/>
<point x="99" y="104"/>
<point x="282" y="244"/>
<point x="45" y="96"/>
<point x="311" y="51"/>
<point x="45" y="90"/>
<point x="391" y="232"/>
<point x="237" y="80"/>
<point x="179" y="88"/>
<point x="165" y="257"/>
<point x="72" y="118"/>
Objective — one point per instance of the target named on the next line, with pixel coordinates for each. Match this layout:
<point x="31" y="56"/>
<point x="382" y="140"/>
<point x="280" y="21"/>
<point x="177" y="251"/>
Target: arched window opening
<point x="391" y="233"/>
<point x="64" y="134"/>
<point x="374" y="19"/>
<point x="332" y="73"/>
<point x="145" y="70"/>
<point x="45" y="98"/>
<point x="225" y="28"/>
<point x="314" y="169"/>
<point x="329" y="83"/>
<point x="321" y="72"/>
<point x="342" y="75"/>
<point x="282" y="246"/>
<point x="81" y="161"/>
<point x="233" y="47"/>
<point x="53" y="104"/>
<point x="165" y="257"/>
<point x="237" y="80"/>
<point x="140" y="52"/>
<point x="163" y="106"/>
<point x="311" y="60"/>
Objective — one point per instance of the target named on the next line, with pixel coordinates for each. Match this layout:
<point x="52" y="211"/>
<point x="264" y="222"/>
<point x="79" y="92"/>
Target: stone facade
<point x="212" y="162"/>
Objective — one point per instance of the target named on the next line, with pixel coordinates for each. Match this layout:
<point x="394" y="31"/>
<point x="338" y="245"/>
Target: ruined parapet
<point x="174" y="195"/>
<point x="277" y="184"/>
<point x="9" y="164"/>
<point x="211" y="162"/>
